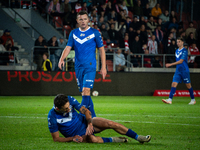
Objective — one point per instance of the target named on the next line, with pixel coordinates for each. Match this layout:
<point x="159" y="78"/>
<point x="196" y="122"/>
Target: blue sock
<point x="85" y="101"/>
<point x="132" y="134"/>
<point x="172" y="92"/>
<point x="91" y="108"/>
<point x="191" y="93"/>
<point x="106" y="140"/>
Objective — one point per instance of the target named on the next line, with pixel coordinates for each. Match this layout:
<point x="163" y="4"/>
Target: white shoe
<point x="167" y="101"/>
<point x="192" y="102"/>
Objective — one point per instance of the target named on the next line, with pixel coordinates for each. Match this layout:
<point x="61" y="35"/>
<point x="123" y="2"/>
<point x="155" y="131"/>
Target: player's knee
<point x="174" y="84"/>
<point x="86" y="91"/>
<point x="112" y="125"/>
<point x="188" y="85"/>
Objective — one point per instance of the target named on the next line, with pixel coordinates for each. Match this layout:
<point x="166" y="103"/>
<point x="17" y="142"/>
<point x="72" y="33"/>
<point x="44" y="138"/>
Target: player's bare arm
<point x="57" y="138"/>
<point x="175" y="63"/>
<point x="65" y="53"/>
<point x="103" y="62"/>
<point x="88" y="117"/>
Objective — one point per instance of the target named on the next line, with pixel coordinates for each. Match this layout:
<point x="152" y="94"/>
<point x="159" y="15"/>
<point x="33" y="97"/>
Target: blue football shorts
<point x="85" y="78"/>
<point x="181" y="76"/>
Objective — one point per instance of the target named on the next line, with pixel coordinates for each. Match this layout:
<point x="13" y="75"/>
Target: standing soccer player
<point x="85" y="40"/>
<point x="182" y="72"/>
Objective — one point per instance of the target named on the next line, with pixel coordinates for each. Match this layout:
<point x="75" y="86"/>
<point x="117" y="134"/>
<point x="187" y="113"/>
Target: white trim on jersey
<point x="64" y="120"/>
<point x="83" y="40"/>
<point x="85" y="30"/>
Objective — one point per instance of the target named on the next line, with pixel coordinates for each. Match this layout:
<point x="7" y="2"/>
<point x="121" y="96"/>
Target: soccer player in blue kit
<point x="182" y="72"/>
<point x="76" y="127"/>
<point x="85" y="40"/>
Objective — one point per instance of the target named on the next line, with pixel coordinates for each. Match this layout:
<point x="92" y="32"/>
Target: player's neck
<point x="84" y="29"/>
<point x="180" y="48"/>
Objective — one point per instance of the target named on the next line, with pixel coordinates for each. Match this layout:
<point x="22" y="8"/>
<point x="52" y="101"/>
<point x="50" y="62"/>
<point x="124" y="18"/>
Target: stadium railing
<point x="25" y="60"/>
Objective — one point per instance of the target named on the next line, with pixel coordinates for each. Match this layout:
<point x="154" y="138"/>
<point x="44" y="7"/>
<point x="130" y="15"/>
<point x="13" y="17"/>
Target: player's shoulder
<point x="51" y="113"/>
<point x="71" y="99"/>
<point x="95" y="30"/>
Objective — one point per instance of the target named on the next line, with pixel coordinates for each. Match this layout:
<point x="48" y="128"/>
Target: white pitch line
<point x="26" y="117"/>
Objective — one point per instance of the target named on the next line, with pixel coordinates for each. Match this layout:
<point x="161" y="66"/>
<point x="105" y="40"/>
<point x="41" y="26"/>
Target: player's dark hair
<point x="60" y="100"/>
<point x="180" y="38"/>
<point x="82" y="13"/>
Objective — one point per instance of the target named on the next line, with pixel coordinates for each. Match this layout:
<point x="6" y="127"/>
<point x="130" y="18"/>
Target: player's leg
<point x="101" y="124"/>
<point x="98" y="139"/>
<point x="88" y="82"/>
<point x="176" y="80"/>
<point x="186" y="80"/>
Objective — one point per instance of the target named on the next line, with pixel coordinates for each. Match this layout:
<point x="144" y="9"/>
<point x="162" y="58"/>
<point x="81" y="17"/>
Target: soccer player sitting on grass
<point x="80" y="127"/>
<point x="182" y="72"/>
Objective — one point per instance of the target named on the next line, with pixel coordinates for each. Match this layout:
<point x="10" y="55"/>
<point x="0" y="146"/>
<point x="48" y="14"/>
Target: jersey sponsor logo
<point x="82" y="34"/>
<point x="83" y="40"/>
<point x="178" y="55"/>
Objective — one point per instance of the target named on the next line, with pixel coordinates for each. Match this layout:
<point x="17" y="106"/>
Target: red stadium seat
<point x="68" y="29"/>
<point x="109" y="65"/>
<point x="58" y="22"/>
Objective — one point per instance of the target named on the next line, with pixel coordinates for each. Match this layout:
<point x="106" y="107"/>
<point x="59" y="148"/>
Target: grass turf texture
<point x="23" y="122"/>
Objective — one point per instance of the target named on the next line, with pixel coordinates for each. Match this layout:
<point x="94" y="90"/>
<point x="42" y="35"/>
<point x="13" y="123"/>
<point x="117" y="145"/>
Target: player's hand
<point x="103" y="72"/>
<point x="168" y="65"/>
<point x="90" y="129"/>
<point x="61" y="64"/>
<point x="77" y="139"/>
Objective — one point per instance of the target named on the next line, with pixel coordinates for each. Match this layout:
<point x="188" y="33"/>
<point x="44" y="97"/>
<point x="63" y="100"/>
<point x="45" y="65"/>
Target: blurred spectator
<point x="65" y="8"/>
<point x="153" y="46"/>
<point x="126" y="44"/>
<point x="102" y="8"/>
<point x="193" y="51"/>
<point x="38" y="51"/>
<point x="104" y="33"/>
<point x="121" y="16"/>
<point x="124" y="7"/>
<point x="10" y="55"/>
<point x="73" y="3"/>
<point x="109" y="8"/>
<point x="54" y="8"/>
<point x="102" y="14"/>
<point x="53" y="43"/>
<point x="173" y="24"/>
<point x="147" y="11"/>
<point x="143" y="34"/>
<point x="2" y="48"/>
<point x="101" y="22"/>
<point x="138" y="11"/>
<point x="161" y="25"/>
<point x="9" y="42"/>
<point x="117" y="7"/>
<point x="156" y="11"/>
<point x="128" y="23"/>
<point x="151" y="24"/>
<point x="167" y="42"/>
<point x="147" y="58"/>
<point x="88" y="2"/>
<point x="112" y="15"/>
<point x="159" y="38"/>
<point x="47" y="65"/>
<point x="152" y="3"/>
<point x="78" y="7"/>
<point x="136" y="48"/>
<point x="191" y="29"/>
<point x="182" y="35"/>
<point x="171" y="50"/>
<point x="3" y="55"/>
<point x="113" y="34"/>
<point x="135" y="23"/>
<point x="129" y="4"/>
<point x="165" y="17"/>
<point x="190" y="39"/>
<point x="72" y="18"/>
<point x="6" y="35"/>
<point x="142" y="21"/>
<point x="172" y="15"/>
<point x="84" y="7"/>
<point x="119" y="60"/>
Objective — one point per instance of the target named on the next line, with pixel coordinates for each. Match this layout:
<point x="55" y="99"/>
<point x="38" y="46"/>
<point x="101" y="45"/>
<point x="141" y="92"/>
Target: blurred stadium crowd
<point x="128" y="28"/>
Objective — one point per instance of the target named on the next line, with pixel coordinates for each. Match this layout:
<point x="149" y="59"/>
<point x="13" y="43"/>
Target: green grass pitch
<point x="23" y="123"/>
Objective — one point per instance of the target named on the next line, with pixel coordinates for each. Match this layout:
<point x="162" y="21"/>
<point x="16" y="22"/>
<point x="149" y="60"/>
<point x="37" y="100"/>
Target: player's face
<point x="65" y="108"/>
<point x="83" y="21"/>
<point x="179" y="43"/>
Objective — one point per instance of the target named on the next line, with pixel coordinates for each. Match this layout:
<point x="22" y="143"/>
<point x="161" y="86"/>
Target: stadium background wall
<point x="29" y="83"/>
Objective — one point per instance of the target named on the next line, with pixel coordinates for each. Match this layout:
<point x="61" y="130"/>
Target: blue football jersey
<point x="69" y="124"/>
<point x="182" y="54"/>
<point x="85" y="43"/>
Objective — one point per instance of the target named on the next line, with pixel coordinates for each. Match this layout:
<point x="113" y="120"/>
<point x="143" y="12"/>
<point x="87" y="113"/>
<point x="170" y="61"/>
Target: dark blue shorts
<point x="85" y="78"/>
<point x="181" y="76"/>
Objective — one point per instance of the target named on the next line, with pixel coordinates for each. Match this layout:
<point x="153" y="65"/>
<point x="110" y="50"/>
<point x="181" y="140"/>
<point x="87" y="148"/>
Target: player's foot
<point x="167" y="101"/>
<point x="192" y="102"/>
<point x="143" y="139"/>
<point x="119" y="139"/>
